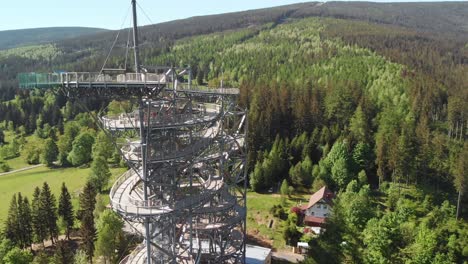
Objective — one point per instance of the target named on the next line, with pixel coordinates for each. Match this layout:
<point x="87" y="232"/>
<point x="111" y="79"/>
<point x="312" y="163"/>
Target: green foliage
<point x="33" y="150"/>
<point x="65" y="210"/>
<point x="119" y="107"/>
<point x="81" y="152"/>
<point x="110" y="234"/>
<point x="257" y="178"/>
<point x="100" y="173"/>
<point x="290" y="233"/>
<point x="38" y="223"/>
<point x="40" y="52"/>
<point x="18" y="256"/>
<point x="2" y="137"/>
<point x="284" y="190"/>
<point x="50" y="152"/>
<point x="80" y="257"/>
<point x="279" y="212"/>
<point x="85" y="214"/>
<point x="336" y="167"/>
<point x="5" y="246"/>
<point x="63" y="253"/>
<point x="103" y="146"/>
<point x="18" y="227"/>
<point x="382" y="238"/>
<point x="4" y="166"/>
<point x="48" y="211"/>
<point x="42" y="258"/>
<point x="65" y="142"/>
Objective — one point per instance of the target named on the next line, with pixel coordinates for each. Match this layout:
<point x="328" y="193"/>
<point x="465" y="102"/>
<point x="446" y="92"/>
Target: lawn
<point x="259" y="217"/>
<point x="17" y="163"/>
<point x="26" y="181"/>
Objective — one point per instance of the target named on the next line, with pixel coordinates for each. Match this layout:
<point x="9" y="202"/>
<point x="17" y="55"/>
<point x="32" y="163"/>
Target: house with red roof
<point x="318" y="208"/>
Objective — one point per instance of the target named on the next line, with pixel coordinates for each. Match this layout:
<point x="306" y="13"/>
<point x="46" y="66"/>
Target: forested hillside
<point x="368" y="99"/>
<point x="13" y="38"/>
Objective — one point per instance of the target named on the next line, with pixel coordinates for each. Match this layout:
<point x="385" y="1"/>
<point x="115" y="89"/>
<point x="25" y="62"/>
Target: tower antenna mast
<point x="135" y="38"/>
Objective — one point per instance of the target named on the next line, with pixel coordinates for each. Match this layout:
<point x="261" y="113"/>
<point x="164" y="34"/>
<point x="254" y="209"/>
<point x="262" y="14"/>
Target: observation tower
<point x="185" y="190"/>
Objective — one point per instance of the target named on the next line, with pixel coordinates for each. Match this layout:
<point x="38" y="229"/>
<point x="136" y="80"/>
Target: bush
<point x="4" y="166"/>
<point x="278" y="211"/>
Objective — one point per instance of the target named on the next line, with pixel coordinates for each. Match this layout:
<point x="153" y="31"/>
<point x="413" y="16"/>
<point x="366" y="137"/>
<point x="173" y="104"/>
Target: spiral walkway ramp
<point x="184" y="193"/>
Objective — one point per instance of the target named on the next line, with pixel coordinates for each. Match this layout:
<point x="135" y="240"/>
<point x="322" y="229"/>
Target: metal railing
<point x="155" y="207"/>
<point x="50" y="80"/>
<point x="166" y="120"/>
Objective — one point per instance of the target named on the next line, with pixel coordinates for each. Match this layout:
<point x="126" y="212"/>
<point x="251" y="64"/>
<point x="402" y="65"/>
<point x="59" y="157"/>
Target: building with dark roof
<point x="318" y="208"/>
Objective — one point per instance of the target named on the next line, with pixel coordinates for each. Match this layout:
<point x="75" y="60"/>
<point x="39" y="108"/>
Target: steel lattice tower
<point x="185" y="191"/>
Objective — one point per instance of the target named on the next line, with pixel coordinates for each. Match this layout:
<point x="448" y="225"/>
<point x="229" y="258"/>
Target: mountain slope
<point x="14" y="38"/>
<point x="444" y="18"/>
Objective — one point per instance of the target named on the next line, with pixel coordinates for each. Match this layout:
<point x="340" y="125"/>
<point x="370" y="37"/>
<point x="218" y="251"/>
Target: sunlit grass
<point x="26" y="181"/>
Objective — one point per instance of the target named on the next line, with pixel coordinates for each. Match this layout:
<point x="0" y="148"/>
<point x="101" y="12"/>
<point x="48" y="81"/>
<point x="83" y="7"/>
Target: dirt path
<point x="20" y="170"/>
<point x="288" y="256"/>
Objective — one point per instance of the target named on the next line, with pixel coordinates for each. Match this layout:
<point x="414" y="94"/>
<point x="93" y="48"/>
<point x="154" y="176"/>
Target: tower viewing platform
<point x="96" y="80"/>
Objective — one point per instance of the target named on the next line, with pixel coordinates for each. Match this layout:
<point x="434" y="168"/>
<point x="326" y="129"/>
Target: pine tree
<point x="85" y="214"/>
<point x="48" y="211"/>
<point x="24" y="221"/>
<point x="11" y="224"/>
<point x="65" y="209"/>
<point x="63" y="253"/>
<point x="38" y="224"/>
<point x="2" y="137"/>
<point x="461" y="176"/>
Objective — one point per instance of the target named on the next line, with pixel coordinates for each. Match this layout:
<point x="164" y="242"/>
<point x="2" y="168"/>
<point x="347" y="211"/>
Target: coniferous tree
<point x="38" y="224"/>
<point x="65" y="209"/>
<point x="11" y="224"/>
<point x="2" y="137"/>
<point x="63" y="253"/>
<point x="18" y="225"/>
<point x="48" y="211"/>
<point x="85" y="214"/>
<point x="461" y="176"/>
<point x="24" y="221"/>
<point x="18" y="256"/>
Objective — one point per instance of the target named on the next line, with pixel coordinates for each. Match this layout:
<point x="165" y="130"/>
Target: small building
<point x="302" y="247"/>
<point x="318" y="208"/>
<point x="257" y="255"/>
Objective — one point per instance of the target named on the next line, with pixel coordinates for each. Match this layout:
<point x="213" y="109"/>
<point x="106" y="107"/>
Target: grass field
<point x="17" y="163"/>
<point x="259" y="217"/>
<point x="26" y="181"/>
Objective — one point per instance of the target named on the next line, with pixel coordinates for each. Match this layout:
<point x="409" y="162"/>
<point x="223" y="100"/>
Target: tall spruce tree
<point x="85" y="214"/>
<point x="63" y="253"/>
<point x="65" y="209"/>
<point x="38" y="224"/>
<point x="48" y="212"/>
<point x="18" y="225"/>
<point x="11" y="224"/>
<point x="24" y="222"/>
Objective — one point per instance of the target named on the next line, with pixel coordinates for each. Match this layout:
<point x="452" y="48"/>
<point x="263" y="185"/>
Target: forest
<point x="374" y="108"/>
